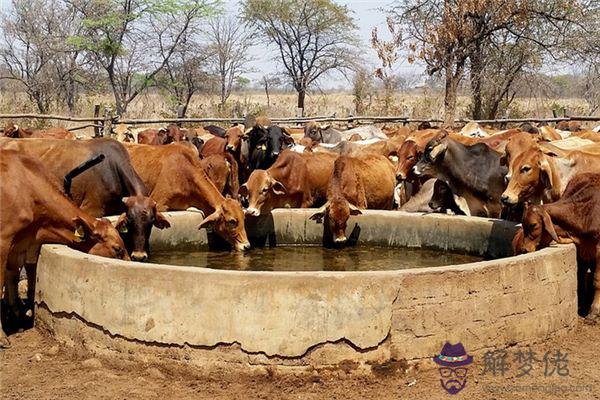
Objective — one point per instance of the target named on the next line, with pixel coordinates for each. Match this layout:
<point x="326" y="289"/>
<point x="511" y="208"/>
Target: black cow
<point x="473" y="174"/>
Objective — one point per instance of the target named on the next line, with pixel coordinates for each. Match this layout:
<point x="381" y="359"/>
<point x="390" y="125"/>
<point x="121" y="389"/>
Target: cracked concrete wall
<point x="314" y="318"/>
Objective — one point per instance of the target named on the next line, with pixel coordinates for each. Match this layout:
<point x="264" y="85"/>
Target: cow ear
<point x="278" y="188"/>
<point x="247" y="131"/>
<point x="517" y="242"/>
<point x="503" y="160"/>
<point x="320" y="214"/>
<point x="243" y="190"/>
<point x="354" y="210"/>
<point x="324" y="127"/>
<point x="212" y="218"/>
<point x="549" y="226"/>
<point x="82" y="229"/>
<point x="121" y="224"/>
<point x="546" y="174"/>
<point x="438" y="150"/>
<point x="160" y="221"/>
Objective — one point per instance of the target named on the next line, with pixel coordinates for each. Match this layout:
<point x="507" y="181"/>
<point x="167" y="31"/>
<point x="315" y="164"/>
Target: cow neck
<point x="208" y="196"/>
<point x="58" y="225"/>
<point x="556" y="189"/>
<point x="131" y="180"/>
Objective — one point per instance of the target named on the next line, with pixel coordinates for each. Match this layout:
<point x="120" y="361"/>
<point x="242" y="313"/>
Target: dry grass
<point x="422" y="104"/>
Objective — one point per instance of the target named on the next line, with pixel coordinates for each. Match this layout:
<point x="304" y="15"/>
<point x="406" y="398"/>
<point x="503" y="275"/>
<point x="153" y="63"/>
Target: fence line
<point x="99" y="122"/>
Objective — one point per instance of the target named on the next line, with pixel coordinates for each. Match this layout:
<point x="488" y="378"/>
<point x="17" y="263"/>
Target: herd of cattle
<point x="55" y="189"/>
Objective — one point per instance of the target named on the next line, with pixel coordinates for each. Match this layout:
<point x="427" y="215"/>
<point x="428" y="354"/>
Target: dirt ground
<point x="37" y="367"/>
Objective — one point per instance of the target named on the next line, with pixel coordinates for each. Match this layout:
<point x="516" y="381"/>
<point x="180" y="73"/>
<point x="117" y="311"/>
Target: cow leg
<point x="12" y="291"/>
<point x="4" y="343"/>
<point x="30" y="268"/>
<point x="595" y="308"/>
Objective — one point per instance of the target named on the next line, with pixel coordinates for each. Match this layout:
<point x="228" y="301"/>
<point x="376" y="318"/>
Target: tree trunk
<point x="476" y="82"/>
<point x="451" y="94"/>
<point x="301" y="97"/>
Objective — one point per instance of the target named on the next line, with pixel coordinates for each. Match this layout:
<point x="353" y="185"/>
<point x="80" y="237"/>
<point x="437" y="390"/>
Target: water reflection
<point x="314" y="258"/>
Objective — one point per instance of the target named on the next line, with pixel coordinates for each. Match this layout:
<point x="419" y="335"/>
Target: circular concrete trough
<point x="295" y="320"/>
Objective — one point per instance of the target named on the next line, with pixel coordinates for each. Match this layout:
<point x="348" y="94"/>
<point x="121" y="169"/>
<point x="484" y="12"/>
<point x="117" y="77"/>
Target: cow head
<point x="408" y="155"/>
<point x="314" y="131"/>
<point x="173" y="134"/>
<point x="260" y="190"/>
<point x="433" y="154"/>
<point x="136" y="223"/>
<point x="228" y="222"/>
<point x="234" y="137"/>
<point x="11" y="130"/>
<point x="442" y="197"/>
<point x="336" y="212"/>
<point x="97" y="236"/>
<point x="528" y="174"/>
<point x="537" y="231"/>
<point x="518" y="143"/>
<point x="279" y="141"/>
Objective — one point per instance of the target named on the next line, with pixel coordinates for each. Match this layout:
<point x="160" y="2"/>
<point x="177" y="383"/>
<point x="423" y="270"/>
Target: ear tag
<point x="79" y="234"/>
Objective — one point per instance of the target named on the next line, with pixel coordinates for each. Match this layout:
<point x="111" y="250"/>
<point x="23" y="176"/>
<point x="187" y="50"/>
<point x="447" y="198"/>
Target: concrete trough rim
<point x="473" y="266"/>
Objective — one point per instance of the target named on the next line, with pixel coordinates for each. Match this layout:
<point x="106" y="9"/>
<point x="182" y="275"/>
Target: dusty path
<point x="37" y="367"/>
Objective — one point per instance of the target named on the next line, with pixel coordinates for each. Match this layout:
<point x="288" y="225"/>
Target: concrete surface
<point x="315" y="319"/>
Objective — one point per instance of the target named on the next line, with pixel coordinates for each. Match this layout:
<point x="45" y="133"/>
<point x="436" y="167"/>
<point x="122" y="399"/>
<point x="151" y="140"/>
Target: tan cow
<point x="295" y="180"/>
<point x="175" y="178"/>
<point x="356" y="183"/>
<point x="539" y="174"/>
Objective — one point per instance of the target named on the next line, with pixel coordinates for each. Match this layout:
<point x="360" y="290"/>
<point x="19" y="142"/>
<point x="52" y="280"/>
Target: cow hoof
<point x="591" y="319"/>
<point x="4" y="343"/>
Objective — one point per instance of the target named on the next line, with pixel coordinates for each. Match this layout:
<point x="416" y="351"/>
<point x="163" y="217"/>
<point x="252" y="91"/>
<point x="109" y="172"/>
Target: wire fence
<point x="103" y="124"/>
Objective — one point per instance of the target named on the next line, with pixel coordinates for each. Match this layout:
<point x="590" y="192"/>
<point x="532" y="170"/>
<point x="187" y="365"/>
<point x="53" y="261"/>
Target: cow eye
<point x="525" y="168"/>
<point x="410" y="157"/>
<point x="232" y="223"/>
<point x="265" y="190"/>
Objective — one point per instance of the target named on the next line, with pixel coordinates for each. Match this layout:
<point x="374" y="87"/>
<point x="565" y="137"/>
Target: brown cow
<point x="575" y="218"/>
<point x="356" y="183"/>
<point x="222" y="171"/>
<point x="411" y="150"/>
<point x="167" y="135"/>
<point x="15" y="131"/>
<point x="295" y="180"/>
<point x="176" y="180"/>
<point x="540" y="174"/>
<point x="34" y="212"/>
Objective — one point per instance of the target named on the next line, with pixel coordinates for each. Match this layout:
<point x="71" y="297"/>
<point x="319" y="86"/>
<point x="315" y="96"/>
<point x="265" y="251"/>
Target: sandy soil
<point x="37" y="367"/>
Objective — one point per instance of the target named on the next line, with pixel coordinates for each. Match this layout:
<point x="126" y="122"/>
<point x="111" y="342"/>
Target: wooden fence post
<point x="107" y="128"/>
<point x="179" y="114"/>
<point x="96" y="115"/>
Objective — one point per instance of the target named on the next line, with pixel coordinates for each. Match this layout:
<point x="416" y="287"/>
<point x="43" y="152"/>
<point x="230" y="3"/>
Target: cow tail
<point x="84" y="166"/>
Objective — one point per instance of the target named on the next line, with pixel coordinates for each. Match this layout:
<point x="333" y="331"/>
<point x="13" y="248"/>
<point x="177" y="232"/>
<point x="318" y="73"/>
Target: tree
<point x="26" y="53"/>
<point x="388" y="53"/>
<point x="133" y="40"/>
<point x="268" y="81"/>
<point x="362" y="89"/>
<point x="451" y="36"/>
<point x="312" y="37"/>
<point x="229" y="44"/>
<point x="184" y="74"/>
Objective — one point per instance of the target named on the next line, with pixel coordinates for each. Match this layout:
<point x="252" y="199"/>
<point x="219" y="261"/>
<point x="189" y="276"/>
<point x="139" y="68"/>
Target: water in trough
<point x="314" y="258"/>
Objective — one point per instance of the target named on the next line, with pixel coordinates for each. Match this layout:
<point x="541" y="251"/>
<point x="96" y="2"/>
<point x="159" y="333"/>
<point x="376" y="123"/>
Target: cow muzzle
<point x="252" y="211"/>
<point x="229" y="147"/>
<point x="509" y="200"/>
<point x="340" y="240"/>
<point x="242" y="246"/>
<point x="140" y="256"/>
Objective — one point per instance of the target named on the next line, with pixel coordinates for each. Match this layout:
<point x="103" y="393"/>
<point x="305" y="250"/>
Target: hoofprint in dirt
<point x="38" y="367"/>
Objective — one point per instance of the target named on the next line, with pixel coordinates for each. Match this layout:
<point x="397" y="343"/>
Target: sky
<point x="367" y="15"/>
